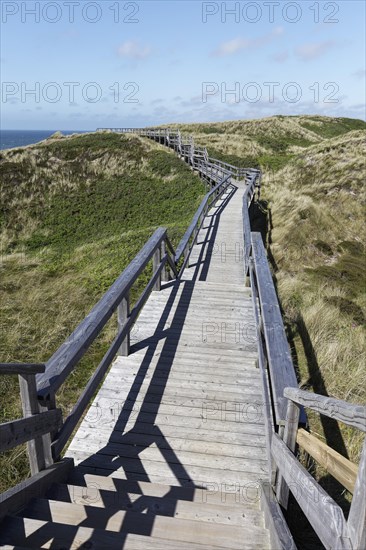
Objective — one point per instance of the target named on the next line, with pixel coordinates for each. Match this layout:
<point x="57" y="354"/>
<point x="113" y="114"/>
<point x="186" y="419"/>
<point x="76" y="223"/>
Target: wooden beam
<point x="280" y="535"/>
<point x="289" y="438"/>
<point x="352" y="415"/>
<point x="30" y="406"/>
<point x="22" y="368"/>
<point x="20" y="431"/>
<point x="281" y="368"/>
<point x="322" y="512"/>
<point x="342" y="469"/>
<point x="123" y="313"/>
<point x="357" y="514"/>
<point x="17" y="497"/>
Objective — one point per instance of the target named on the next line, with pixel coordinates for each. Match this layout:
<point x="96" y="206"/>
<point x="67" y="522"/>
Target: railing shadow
<point x="139" y="418"/>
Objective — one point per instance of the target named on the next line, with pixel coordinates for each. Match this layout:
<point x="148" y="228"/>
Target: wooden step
<point x="234" y="514"/>
<point x="247" y="497"/>
<point x="147" y="524"/>
<point x="33" y="533"/>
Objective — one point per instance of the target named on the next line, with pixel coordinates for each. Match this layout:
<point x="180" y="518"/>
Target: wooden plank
<point x="58" y="536"/>
<point x="323" y="513"/>
<point x="210" y="493"/>
<point x="282" y="372"/>
<point x="22" y="368"/>
<point x="357" y="514"/>
<point x="169" y="504"/>
<point x="289" y="438"/>
<point x="337" y="465"/>
<point x="15" y="498"/>
<point x="65" y="358"/>
<point x="173" y="435"/>
<point x="197" y="454"/>
<point x="148" y="524"/>
<point x="280" y="535"/>
<point x="348" y="413"/>
<point x="20" y="431"/>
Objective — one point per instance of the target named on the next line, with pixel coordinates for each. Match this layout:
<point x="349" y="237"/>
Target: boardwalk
<point x="192" y="415"/>
<point x="184" y="409"/>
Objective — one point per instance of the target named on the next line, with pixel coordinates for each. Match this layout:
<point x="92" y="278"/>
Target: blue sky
<point x="116" y="63"/>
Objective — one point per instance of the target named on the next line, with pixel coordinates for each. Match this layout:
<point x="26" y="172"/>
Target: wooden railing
<point x="185" y="146"/>
<point x="42" y="426"/>
<point x="283" y="412"/>
<point x="36" y="426"/>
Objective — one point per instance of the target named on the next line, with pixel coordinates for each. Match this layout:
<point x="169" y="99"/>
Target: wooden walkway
<point x="189" y="441"/>
<point x="182" y="414"/>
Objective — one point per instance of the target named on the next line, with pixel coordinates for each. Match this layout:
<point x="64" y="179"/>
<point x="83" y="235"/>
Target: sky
<point x="79" y="65"/>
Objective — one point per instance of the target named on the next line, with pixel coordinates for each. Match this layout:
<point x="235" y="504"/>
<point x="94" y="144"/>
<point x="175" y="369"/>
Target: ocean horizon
<point x="10" y="139"/>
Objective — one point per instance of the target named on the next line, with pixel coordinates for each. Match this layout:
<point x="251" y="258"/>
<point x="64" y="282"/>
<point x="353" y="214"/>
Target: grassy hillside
<point x="75" y="211"/>
<point x="268" y="142"/>
<point x="317" y="241"/>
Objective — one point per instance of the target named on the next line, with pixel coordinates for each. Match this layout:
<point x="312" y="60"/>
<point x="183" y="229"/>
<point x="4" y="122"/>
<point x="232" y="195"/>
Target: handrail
<point x="59" y="366"/>
<point x="22" y="368"/>
<point x="348" y="413"/>
<point x="324" y="514"/>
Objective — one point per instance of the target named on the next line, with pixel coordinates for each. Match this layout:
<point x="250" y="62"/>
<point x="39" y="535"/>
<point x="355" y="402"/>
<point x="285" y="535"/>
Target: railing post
<point x="123" y="313"/>
<point x="289" y="438"/>
<point x="156" y="265"/>
<point x="39" y="456"/>
<point x="164" y="272"/>
<point x="357" y="515"/>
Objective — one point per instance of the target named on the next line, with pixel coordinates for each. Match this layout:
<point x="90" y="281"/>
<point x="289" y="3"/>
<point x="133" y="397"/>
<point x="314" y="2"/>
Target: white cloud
<point x="133" y="50"/>
<point x="238" y="44"/>
<point x="280" y="57"/>
<point x="313" y="50"/>
<point x="361" y="73"/>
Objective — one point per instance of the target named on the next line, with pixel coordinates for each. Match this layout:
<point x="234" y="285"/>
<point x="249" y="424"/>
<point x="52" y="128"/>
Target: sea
<point x="18" y="138"/>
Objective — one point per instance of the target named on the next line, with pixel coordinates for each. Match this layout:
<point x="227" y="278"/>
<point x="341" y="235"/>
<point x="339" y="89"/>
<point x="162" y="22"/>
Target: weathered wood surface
<point x="353" y="415"/>
<point x="159" y="526"/>
<point x="39" y="452"/>
<point x="357" y="514"/>
<point x="289" y="438"/>
<point x="337" y="465"/>
<point x="20" y="431"/>
<point x="323" y="513"/>
<point x="280" y="535"/>
<point x="280" y="364"/>
<point x="65" y="358"/>
<point x="22" y="368"/>
<point x="15" y="498"/>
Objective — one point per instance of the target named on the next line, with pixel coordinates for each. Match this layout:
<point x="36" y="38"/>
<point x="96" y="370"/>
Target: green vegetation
<point x="269" y="142"/>
<point x="75" y="212"/>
